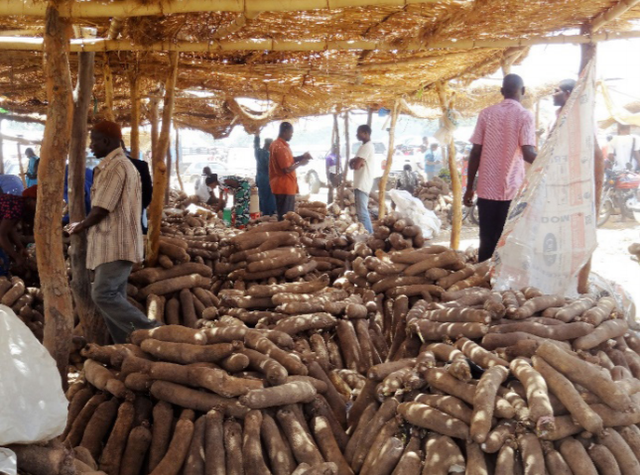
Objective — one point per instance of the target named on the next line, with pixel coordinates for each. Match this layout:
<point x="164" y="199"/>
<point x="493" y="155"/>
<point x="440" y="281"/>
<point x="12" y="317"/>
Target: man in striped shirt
<point x="504" y="138"/>
<point x="114" y="232"/>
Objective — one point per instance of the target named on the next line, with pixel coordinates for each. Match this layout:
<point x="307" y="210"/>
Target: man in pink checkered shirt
<point x="503" y="140"/>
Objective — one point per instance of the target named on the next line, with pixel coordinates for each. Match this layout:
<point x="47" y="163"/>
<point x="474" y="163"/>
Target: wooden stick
<point x="93" y="326"/>
<point x="103" y="45"/>
<point x="131" y="8"/>
<point x="160" y="177"/>
<point x="48" y="221"/>
<point x="387" y="168"/>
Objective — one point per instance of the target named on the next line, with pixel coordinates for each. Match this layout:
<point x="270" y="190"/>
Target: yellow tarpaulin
<point x="616" y="114"/>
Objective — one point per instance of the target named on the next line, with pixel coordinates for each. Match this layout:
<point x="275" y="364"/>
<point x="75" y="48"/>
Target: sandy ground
<point x="611" y="259"/>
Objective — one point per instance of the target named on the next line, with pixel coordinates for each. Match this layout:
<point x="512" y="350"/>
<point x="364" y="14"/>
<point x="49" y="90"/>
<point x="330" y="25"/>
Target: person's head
<point x="30" y="196"/>
<point x="29" y="153"/>
<point x="267" y="143"/>
<point x="407" y="168"/>
<point x="364" y="133"/>
<point x="562" y="92"/>
<point x="206" y="171"/>
<point x="335" y="148"/>
<point x="624" y="129"/>
<point x="512" y="87"/>
<point x="212" y="180"/>
<point x="434" y="147"/>
<point x="286" y="131"/>
<point x="106" y="136"/>
<point x="425" y="140"/>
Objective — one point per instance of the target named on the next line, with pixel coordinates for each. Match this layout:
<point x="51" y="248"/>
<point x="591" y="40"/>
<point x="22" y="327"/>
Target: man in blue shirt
<point x="432" y="162"/>
<point x="32" y="169"/>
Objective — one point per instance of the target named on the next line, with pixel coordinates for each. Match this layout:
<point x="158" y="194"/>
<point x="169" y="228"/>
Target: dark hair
<point x="434" y="145"/>
<point x="512" y="83"/>
<point x="206" y="171"/>
<point x="29" y="150"/>
<point x="285" y="126"/>
<point x="211" y="179"/>
<point x="407" y="168"/>
<point x="567" y="85"/>
<point x="365" y="128"/>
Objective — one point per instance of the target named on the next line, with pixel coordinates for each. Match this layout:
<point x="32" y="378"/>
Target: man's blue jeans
<point x="362" y="210"/>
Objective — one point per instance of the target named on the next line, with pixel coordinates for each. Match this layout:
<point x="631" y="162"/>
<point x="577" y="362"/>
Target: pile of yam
<point x="436" y="195"/>
<point x="304" y="350"/>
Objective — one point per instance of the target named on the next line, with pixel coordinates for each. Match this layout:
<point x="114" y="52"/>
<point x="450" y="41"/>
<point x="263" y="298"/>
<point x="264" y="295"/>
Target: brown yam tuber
<point x="537" y="393"/>
<point x="577" y="457"/>
<point x="176" y="455"/>
<point x="586" y="375"/>
<point x="302" y="445"/>
<point x="185" y="353"/>
<point x="484" y="402"/>
<point x="443" y="456"/>
<point x="288" y="393"/>
<point x="430" y="418"/>
<point x="566" y="392"/>
<point x="111" y="457"/>
<point x="610" y="329"/>
<point x="253" y="459"/>
<point x="280" y="456"/>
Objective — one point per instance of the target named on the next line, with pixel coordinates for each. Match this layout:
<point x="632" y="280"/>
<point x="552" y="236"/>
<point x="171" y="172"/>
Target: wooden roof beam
<point x="98" y="45"/>
<point x="102" y="45"/>
<point x="612" y="13"/>
<point x="133" y="8"/>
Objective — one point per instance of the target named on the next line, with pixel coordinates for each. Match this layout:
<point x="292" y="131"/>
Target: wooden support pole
<point x="91" y="321"/>
<point x="589" y="53"/>
<point x="108" y="89"/>
<point x="52" y="269"/>
<point x="154" y="120"/>
<point x="347" y="145"/>
<point x="336" y="142"/>
<point x="178" y="148"/>
<point x="21" y="166"/>
<point x="446" y="103"/>
<point x="169" y="170"/>
<point x="387" y="168"/>
<point x="369" y="116"/>
<point x="160" y="177"/>
<point x="134" y="87"/>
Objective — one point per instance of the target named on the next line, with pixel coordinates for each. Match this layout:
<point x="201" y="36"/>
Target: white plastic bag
<point x="412" y="207"/>
<point x="8" y="462"/>
<point x="550" y="233"/>
<point x="34" y="407"/>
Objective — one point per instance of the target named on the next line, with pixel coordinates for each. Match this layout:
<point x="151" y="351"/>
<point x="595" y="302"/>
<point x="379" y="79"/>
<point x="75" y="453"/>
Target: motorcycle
<point x="619" y="194"/>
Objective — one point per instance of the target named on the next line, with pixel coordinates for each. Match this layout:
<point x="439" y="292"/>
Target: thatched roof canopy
<point x="306" y="62"/>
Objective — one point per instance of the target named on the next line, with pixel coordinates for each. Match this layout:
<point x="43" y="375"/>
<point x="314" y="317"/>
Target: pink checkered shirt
<point x="502" y="130"/>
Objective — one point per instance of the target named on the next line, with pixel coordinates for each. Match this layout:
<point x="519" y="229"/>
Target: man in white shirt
<point x="204" y="191"/>
<point x="363" y="165"/>
<point x="624" y="149"/>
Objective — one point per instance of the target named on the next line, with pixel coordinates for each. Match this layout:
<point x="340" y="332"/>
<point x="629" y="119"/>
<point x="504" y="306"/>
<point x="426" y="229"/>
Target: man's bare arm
<point x="529" y="153"/>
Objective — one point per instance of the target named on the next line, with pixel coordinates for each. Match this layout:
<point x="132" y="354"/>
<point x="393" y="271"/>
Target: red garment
<point x="502" y="130"/>
<point x="280" y="158"/>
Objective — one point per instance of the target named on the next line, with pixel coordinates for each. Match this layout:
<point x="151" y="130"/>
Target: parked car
<point x="194" y="171"/>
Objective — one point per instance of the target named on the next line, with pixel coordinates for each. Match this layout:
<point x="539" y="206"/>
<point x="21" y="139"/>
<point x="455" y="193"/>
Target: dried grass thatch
<point x="304" y="83"/>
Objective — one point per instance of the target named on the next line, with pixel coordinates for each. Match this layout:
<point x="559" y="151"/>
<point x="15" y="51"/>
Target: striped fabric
<point x="116" y="188"/>
<point x="502" y="130"/>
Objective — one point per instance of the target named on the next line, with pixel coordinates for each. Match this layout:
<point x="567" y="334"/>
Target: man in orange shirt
<point x="282" y="170"/>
